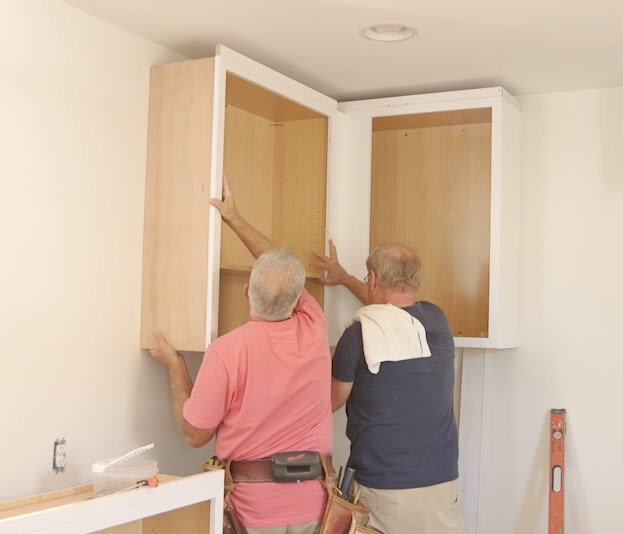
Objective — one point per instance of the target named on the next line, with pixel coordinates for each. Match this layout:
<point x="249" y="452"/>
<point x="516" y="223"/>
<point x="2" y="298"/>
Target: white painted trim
<point x="274" y="81"/>
<point x="471" y="436"/>
<point x="124" y="507"/>
<point x="216" y="186"/>
<point x="447" y="100"/>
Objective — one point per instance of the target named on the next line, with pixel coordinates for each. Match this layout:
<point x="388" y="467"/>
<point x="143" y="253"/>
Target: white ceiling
<point x="527" y="46"/>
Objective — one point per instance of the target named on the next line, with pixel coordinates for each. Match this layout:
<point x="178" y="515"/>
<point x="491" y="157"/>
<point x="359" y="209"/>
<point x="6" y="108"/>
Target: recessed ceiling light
<point x="388" y="32"/>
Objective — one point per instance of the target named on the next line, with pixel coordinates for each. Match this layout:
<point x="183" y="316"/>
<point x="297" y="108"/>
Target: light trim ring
<point x="388" y="32"/>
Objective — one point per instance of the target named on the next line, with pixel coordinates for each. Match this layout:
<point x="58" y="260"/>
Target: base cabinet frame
<point x="176" y="506"/>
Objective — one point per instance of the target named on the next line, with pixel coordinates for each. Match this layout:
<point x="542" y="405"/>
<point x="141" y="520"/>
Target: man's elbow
<point x="336" y="405"/>
<point x="194" y="441"/>
<point x="198" y="437"/>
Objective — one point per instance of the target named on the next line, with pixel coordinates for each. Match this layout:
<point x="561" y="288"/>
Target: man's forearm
<point x="356" y="287"/>
<point x="254" y="240"/>
<point x="181" y="387"/>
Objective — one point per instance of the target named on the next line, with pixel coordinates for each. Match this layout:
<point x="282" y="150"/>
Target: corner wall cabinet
<point x="442" y="173"/>
<point x="439" y="171"/>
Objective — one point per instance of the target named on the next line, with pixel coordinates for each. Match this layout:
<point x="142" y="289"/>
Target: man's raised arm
<point x="254" y="240"/>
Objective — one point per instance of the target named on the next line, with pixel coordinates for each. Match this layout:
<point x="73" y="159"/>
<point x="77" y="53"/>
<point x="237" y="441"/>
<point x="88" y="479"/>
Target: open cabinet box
<point x="442" y="172"/>
<point x="270" y="136"/>
<point x="275" y="157"/>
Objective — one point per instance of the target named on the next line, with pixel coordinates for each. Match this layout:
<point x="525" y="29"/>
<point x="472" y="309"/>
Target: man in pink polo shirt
<point x="263" y="388"/>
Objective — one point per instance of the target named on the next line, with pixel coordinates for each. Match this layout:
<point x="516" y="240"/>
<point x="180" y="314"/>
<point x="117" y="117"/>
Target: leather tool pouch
<point x="344" y="517"/>
<point x="296" y="466"/>
<point x="355" y="528"/>
<point x="340" y="514"/>
<point x="231" y="523"/>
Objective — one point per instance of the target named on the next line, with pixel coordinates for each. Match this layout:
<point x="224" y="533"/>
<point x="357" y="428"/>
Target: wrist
<point x="351" y="281"/>
<point x="233" y="219"/>
<point x="177" y="362"/>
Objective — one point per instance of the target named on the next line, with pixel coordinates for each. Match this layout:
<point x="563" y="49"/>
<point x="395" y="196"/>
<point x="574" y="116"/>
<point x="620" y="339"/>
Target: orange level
<point x="557" y="472"/>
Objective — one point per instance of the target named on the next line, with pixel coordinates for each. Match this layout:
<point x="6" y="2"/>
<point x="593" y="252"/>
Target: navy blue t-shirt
<point x="401" y="421"/>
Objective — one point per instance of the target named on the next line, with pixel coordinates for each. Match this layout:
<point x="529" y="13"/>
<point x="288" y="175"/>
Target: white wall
<point x="571" y="319"/>
<point x="73" y="108"/>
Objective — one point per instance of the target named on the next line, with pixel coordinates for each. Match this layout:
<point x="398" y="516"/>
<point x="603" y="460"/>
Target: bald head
<point x="397" y="266"/>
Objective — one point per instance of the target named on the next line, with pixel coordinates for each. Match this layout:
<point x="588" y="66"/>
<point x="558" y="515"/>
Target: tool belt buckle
<point x="296" y="466"/>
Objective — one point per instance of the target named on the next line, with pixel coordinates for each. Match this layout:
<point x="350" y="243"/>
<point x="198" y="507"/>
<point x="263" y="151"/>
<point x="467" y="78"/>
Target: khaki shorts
<point x="430" y="510"/>
<point x="313" y="527"/>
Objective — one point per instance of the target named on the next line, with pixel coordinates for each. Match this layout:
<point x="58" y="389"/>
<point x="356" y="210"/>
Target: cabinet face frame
<point x="503" y="295"/>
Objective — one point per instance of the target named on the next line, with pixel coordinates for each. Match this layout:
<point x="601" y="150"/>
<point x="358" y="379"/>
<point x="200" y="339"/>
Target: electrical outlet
<point x="59" y="459"/>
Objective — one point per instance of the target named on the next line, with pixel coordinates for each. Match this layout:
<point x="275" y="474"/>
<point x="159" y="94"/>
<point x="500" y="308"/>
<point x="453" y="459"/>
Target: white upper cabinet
<point x="440" y="172"/>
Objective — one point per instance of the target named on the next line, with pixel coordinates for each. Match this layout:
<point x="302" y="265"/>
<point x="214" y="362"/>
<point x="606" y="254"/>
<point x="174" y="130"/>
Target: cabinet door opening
<point x="275" y="157"/>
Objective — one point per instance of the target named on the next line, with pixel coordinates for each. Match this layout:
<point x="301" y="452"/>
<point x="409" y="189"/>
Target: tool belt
<point x="283" y="467"/>
<point x="341" y="516"/>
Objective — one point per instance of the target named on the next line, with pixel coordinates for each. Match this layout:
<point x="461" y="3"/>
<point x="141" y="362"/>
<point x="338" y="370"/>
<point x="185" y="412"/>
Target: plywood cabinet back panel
<point x="431" y="188"/>
<point x="300" y="188"/>
<point x="249" y="166"/>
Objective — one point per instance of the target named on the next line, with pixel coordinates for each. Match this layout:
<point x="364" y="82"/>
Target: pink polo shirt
<point x="267" y="386"/>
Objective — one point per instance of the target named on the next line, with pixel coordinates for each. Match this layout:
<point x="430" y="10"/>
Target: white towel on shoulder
<point x="390" y="334"/>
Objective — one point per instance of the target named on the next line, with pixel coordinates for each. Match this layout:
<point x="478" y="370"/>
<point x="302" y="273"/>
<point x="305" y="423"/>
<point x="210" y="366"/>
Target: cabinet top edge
<point x="490" y="93"/>
<point x="256" y="72"/>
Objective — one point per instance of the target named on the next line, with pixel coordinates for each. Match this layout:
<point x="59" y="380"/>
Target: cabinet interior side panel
<point x="134" y="527"/>
<point x="316" y="289"/>
<point x="431" y="189"/>
<point x="177" y="203"/>
<point x="249" y="165"/>
<point x="194" y="518"/>
<point x="300" y="188"/>
<point x="233" y="306"/>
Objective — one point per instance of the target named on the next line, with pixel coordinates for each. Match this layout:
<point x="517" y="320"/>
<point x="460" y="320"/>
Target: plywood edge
<point x="434" y="119"/>
<point x="42" y="501"/>
<point x="89" y="515"/>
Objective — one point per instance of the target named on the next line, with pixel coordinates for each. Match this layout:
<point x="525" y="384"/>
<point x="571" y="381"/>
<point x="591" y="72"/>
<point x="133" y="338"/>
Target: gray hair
<point x="396" y="265"/>
<point x="275" y="285"/>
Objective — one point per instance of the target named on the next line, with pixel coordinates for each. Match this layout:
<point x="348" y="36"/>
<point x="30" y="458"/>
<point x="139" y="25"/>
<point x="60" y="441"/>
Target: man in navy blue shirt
<point x="394" y="369"/>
